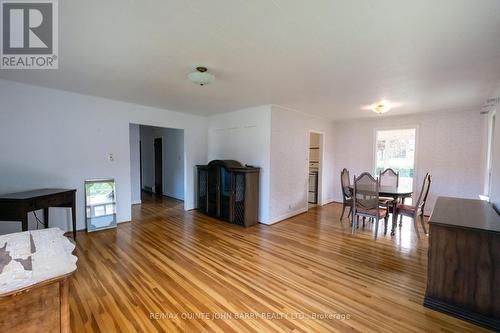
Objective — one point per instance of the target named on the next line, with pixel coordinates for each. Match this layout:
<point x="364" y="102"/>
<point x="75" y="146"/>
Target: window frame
<point x="416" y="174"/>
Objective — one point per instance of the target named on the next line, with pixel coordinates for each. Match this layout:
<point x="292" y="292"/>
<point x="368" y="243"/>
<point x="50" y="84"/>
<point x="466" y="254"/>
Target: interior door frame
<point x="162" y="165"/>
<point x="416" y="173"/>
<point x="490" y="149"/>
<point x="140" y="164"/>
<point x="320" y="168"/>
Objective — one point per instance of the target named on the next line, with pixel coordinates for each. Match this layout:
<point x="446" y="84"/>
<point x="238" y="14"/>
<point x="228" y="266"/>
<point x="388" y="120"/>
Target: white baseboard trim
<point x="286" y="216"/>
<point x="327" y="201"/>
<point x="137" y="202"/>
<point x="336" y="200"/>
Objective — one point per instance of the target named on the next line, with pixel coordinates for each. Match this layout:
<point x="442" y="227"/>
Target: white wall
<point x="275" y="139"/>
<point x="135" y="164"/>
<point x="51" y="138"/>
<point x="290" y="135"/>
<point x="244" y="136"/>
<point x="173" y="159"/>
<point x="449" y="145"/>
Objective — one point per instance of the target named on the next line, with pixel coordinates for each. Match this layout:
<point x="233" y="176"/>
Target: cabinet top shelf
<point x="231" y="165"/>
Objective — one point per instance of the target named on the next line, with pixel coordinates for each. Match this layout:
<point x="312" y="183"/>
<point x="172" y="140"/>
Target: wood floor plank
<point x="175" y="271"/>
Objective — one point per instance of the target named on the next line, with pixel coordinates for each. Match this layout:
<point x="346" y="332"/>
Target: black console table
<point x="16" y="206"/>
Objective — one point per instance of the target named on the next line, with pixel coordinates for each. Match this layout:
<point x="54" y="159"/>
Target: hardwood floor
<point x="305" y="274"/>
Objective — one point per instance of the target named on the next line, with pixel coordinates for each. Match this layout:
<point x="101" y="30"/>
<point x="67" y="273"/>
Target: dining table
<point x="396" y="193"/>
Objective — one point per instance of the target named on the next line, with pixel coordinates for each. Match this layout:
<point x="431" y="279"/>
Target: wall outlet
<point x="290" y="206"/>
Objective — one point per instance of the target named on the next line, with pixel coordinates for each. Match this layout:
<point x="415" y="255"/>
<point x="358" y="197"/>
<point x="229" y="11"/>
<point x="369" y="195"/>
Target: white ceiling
<point x="323" y="57"/>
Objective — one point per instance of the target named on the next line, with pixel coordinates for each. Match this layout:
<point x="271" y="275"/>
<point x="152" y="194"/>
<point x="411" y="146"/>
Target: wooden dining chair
<point x="418" y="210"/>
<point x="346" y="192"/>
<point x="389" y="177"/>
<point x="366" y="202"/>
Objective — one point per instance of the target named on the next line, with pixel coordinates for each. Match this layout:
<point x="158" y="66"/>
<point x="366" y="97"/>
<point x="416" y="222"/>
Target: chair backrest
<point x="389" y="177"/>
<point x="424" y="192"/>
<point x="345" y="183"/>
<point x="366" y="192"/>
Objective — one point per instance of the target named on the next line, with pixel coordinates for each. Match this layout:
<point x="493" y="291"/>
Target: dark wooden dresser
<point x="229" y="191"/>
<point x="463" y="275"/>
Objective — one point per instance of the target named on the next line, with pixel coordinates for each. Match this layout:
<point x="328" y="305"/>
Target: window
<point x="395" y="149"/>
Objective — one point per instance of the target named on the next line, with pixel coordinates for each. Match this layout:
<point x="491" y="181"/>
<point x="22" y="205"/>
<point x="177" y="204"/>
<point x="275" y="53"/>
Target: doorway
<point x="158" y="145"/>
<point x="157" y="163"/>
<point x="314" y="170"/>
<point x="395" y="149"/>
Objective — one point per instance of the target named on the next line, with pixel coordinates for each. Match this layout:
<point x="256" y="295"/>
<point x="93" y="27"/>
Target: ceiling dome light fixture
<point x="381" y="107"/>
<point x="201" y="76"/>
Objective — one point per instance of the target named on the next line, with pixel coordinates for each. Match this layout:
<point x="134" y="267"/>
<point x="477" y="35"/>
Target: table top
<point x="33" y="194"/>
<point x="385" y="190"/>
<point x="32" y="257"/>
<point x="465" y="213"/>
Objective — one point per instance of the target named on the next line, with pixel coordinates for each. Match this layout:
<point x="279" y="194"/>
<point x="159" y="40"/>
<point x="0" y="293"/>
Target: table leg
<point x="353" y="224"/>
<point x="73" y="215"/>
<point x="46" y="217"/>
<point x="394" y="216"/>
<point x="24" y="221"/>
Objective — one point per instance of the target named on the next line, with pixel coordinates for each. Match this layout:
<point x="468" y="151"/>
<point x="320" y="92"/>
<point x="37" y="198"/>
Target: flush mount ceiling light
<point x="201" y="76"/>
<point x="381" y="107"/>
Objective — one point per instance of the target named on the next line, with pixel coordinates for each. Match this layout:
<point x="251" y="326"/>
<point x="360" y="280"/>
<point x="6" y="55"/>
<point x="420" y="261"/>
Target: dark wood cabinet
<point x="229" y="191"/>
<point x="463" y="277"/>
